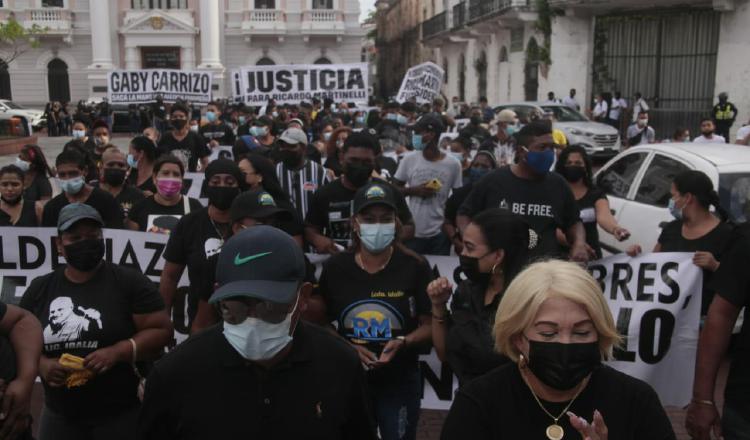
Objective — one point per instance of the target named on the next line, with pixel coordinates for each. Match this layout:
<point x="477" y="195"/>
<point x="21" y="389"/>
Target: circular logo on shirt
<point x="371" y="321"/>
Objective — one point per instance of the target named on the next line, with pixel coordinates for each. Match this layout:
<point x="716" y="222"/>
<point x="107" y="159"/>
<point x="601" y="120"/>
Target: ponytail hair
<point x="700" y="186"/>
<point x="501" y="229"/>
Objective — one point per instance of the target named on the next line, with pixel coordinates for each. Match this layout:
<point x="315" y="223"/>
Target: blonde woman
<point x="556" y="327"/>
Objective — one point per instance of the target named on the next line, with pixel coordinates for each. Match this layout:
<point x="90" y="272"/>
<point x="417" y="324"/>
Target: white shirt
<point x="600" y="109"/>
<point x="571" y="102"/>
<point x="715" y="139"/>
<point x="616" y="108"/>
<point x="743" y="133"/>
<point x="639" y="106"/>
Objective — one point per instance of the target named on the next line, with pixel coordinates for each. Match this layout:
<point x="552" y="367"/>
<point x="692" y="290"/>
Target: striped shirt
<point x="302" y="183"/>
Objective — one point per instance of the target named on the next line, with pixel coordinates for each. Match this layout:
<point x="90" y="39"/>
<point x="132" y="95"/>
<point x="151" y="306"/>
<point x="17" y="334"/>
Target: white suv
<point x="35" y="117"/>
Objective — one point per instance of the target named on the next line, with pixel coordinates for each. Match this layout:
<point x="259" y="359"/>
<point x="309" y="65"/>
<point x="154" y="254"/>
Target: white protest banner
<point x="290" y="84"/>
<point x="422" y="82"/>
<point x="143" y="86"/>
<point x="655" y="300"/>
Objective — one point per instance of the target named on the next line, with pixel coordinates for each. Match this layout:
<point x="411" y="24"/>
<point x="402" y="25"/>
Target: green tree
<point x="15" y="40"/>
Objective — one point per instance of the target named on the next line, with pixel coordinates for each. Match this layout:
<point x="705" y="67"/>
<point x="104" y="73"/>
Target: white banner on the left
<point x="144" y="85"/>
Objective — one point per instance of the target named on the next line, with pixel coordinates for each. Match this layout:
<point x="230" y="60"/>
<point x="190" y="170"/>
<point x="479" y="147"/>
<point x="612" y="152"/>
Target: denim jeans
<point x="396" y="404"/>
<point x="435" y="245"/>
<point x="54" y="426"/>
<point x="735" y="425"/>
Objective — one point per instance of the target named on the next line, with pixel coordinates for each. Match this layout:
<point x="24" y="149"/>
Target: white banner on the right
<point x="655" y="300"/>
<point x="422" y="82"/>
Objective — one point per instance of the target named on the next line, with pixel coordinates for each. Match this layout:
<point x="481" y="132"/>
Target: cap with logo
<point x="75" y="212"/>
<point x="375" y="193"/>
<point x="431" y="123"/>
<point x="293" y="136"/>
<point x="257" y="204"/>
<point x="260" y="262"/>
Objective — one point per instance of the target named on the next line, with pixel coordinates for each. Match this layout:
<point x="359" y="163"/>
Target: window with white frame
<point x="53" y="3"/>
<point x="322" y="4"/>
<point x="265" y="4"/>
<point x="158" y="4"/>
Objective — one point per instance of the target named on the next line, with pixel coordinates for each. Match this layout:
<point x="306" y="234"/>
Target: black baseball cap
<point x="374" y="193"/>
<point x="429" y="122"/>
<point x="260" y="262"/>
<point x="257" y="204"/>
<point x="75" y="212"/>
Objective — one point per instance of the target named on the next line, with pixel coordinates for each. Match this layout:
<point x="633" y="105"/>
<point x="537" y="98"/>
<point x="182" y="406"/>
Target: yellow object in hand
<point x="80" y="376"/>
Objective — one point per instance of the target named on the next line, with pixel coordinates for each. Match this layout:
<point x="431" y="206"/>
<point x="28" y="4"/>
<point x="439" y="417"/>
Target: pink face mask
<point x="169" y="187"/>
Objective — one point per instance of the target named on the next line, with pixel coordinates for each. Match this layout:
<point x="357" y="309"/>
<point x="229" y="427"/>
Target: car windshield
<point x="12" y="105"/>
<point x="734" y="193"/>
<point x="565" y="114"/>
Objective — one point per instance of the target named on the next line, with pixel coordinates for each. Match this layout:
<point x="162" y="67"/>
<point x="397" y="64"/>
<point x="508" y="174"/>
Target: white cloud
<point x="365" y="6"/>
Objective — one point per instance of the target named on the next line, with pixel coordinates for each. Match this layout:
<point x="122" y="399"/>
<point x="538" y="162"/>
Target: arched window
<point x="265" y="61"/>
<point x="503" y="58"/>
<point x="445" y="69"/>
<point x="58" y="82"/>
<point x="462" y="78"/>
<point x="5" y="92"/>
<point x="481" y="65"/>
<point x="323" y="60"/>
<point x="531" y="71"/>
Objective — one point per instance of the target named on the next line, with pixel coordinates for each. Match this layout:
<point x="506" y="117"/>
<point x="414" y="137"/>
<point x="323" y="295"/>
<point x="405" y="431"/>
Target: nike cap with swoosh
<point x="260" y="262"/>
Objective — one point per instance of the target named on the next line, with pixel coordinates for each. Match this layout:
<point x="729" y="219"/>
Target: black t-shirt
<point x="192" y="147"/>
<point x="127" y="198"/>
<point x="546" y="204"/>
<point x="331" y="210"/>
<point x="148" y="214"/>
<point x="159" y="110"/>
<point x="27" y="219"/>
<point x="587" y="206"/>
<point x="40" y="187"/>
<point x="81" y="318"/>
<point x="499" y="406"/>
<point x="732" y="283"/>
<point x="99" y="199"/>
<point x="196" y="243"/>
<point x="371" y="309"/>
<point x="204" y="389"/>
<point x="470" y="346"/>
<point x="220" y="132"/>
<point x="148" y="185"/>
<point x="457" y="198"/>
<point x="717" y="241"/>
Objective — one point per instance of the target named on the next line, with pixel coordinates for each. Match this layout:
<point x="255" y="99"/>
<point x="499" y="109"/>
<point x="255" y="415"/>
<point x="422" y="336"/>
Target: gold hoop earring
<point x="522" y="361"/>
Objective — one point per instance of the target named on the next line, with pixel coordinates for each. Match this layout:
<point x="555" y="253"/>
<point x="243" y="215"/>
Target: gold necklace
<point x="554" y="431"/>
<point x="358" y="260"/>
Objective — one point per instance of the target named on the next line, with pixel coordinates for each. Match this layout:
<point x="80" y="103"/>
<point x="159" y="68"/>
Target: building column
<point x="210" y="31"/>
<point x="101" y="35"/>
<point x="132" y="58"/>
<point x="187" y="58"/>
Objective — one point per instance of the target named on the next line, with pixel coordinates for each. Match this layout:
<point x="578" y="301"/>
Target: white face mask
<point x="642" y="122"/>
<point x="79" y="134"/>
<point x="258" y="340"/>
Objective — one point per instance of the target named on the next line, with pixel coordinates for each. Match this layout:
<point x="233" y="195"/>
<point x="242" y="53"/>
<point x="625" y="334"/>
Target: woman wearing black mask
<point x="575" y="166"/>
<point x="555" y="325"/>
<point x="109" y="317"/>
<point x="197" y="240"/>
<point x="15" y="210"/>
<point x="496" y="245"/>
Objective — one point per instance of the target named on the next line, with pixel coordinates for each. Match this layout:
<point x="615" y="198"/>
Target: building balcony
<point x="599" y="6"/>
<point x="322" y="22"/>
<point x="54" y="20"/>
<point x="435" y="26"/>
<point x="264" y="22"/>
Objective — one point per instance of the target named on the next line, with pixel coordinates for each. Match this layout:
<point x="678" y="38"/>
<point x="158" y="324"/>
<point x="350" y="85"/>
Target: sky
<point x="365" y="7"/>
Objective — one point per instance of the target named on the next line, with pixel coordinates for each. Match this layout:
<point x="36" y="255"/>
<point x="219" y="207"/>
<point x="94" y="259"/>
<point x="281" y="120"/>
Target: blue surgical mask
<point x="392" y="117"/>
<point x="540" y="161"/>
<point x="416" y="142"/>
<point x="258" y="340"/>
<point x="241" y="120"/>
<point x="71" y="186"/>
<point x="475" y="174"/>
<point x="511" y="130"/>
<point x="376" y="237"/>
<point x="22" y="164"/>
<point x="275" y="114"/>
<point x="79" y="134"/>
<point x="458" y="156"/>
<point x="327" y="136"/>
<point x="360" y="120"/>
<point x="258" y="131"/>
<point x="210" y="116"/>
<point x="401" y="119"/>
<point x="674" y="210"/>
<point x="132" y="163"/>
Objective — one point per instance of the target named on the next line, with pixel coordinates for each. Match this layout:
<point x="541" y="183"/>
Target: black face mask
<point x="476" y="120"/>
<point x="12" y="202"/>
<point x="573" y="173"/>
<point x="290" y="158"/>
<point x="358" y="174"/>
<point x="85" y="255"/>
<point x="221" y="197"/>
<point x="179" y="124"/>
<point x="470" y="267"/>
<point x="114" y="176"/>
<point x="563" y="366"/>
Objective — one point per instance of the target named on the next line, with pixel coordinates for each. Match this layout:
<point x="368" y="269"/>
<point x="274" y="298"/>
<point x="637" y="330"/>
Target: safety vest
<point x="723" y="114"/>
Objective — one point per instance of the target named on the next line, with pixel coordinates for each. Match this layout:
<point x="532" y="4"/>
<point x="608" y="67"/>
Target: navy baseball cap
<point x="260" y="262"/>
<point x="375" y="193"/>
<point x="257" y="204"/>
<point x="75" y="212"/>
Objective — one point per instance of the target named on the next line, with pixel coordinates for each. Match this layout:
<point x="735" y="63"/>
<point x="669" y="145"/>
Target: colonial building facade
<point x="678" y="53"/>
<point x="85" y="39"/>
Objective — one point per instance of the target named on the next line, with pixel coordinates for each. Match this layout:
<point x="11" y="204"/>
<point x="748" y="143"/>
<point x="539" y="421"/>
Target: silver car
<point x="599" y="140"/>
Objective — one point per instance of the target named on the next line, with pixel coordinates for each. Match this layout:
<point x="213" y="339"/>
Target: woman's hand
<point x="14" y="415"/>
<point x="439" y="291"/>
<point x="596" y="430"/>
<point x="634" y="250"/>
<point x="620" y="233"/>
<point x="367" y="357"/>
<point x="705" y="260"/>
<point x="52" y="372"/>
<point x="103" y="359"/>
<point x="701" y="419"/>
